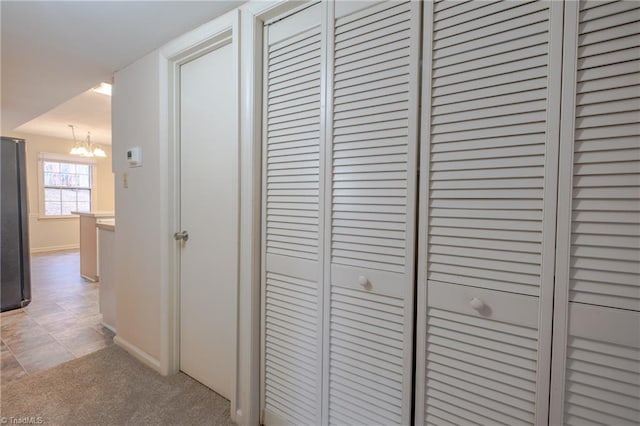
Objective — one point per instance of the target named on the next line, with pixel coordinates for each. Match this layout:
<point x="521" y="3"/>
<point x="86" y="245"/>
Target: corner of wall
<point x="139" y="236"/>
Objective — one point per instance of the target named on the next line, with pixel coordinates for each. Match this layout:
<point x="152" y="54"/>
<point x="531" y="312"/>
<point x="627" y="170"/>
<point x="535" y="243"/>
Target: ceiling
<point x="88" y="112"/>
<point x="54" y="51"/>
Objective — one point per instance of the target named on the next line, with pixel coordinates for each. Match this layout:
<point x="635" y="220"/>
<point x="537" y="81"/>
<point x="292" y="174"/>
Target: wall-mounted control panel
<point x="134" y="156"/>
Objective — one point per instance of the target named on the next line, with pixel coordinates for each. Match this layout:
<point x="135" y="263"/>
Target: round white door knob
<point x="363" y="281"/>
<point x="476" y="304"/>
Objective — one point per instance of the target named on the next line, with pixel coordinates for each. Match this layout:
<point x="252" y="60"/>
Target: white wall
<point x="140" y="228"/>
<point x="47" y="234"/>
<point x="144" y="254"/>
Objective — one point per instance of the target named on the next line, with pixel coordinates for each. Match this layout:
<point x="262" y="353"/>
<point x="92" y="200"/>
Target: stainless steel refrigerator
<point x="15" y="275"/>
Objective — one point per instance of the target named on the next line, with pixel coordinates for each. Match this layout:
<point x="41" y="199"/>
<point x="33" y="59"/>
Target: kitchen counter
<point x="106" y="215"/>
<point x="89" y="242"/>
<point x="106" y="224"/>
<point x="107" y="295"/>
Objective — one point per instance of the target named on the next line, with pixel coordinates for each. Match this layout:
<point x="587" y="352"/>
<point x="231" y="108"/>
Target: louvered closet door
<point x="491" y="86"/>
<point x="370" y="211"/>
<point x="602" y="369"/>
<point x="597" y="322"/>
<point x="292" y="281"/>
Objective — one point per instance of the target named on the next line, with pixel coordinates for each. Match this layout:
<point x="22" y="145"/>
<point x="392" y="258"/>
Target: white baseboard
<point x="138" y="353"/>
<point x="92" y="279"/>
<point x="109" y="327"/>
<point x="35" y="250"/>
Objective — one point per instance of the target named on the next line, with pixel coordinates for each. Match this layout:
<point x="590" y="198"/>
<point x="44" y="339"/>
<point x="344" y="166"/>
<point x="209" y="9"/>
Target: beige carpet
<point x="109" y="387"/>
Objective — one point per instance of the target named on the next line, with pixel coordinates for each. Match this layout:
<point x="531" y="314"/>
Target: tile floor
<point x="61" y="323"/>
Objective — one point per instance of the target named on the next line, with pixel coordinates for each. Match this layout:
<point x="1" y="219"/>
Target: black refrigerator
<point x="15" y="275"/>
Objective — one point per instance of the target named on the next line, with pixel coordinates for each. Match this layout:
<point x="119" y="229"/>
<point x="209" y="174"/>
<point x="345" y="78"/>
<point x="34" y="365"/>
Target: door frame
<point x="204" y="39"/>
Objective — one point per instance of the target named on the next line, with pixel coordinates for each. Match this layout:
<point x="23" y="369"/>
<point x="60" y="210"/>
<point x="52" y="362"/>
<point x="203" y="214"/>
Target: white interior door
<point x="209" y="180"/>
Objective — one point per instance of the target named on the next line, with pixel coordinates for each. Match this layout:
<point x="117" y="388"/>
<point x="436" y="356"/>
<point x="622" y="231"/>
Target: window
<point x="66" y="186"/>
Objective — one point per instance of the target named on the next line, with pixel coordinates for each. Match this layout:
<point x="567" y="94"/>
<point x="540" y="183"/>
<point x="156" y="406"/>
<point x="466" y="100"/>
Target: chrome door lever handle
<point x="181" y="236"/>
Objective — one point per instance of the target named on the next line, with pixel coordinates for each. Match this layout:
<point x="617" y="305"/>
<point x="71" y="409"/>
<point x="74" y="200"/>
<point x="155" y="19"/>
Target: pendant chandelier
<point x="85" y="148"/>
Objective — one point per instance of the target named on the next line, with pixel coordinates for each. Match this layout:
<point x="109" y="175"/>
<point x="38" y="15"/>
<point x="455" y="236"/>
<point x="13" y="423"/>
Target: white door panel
<point x="596" y="372"/>
<point x="209" y="180"/>
<point x="491" y="111"/>
<point x="370" y="210"/>
<point x="292" y="220"/>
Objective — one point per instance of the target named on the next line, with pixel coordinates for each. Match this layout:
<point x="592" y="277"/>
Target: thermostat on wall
<point x="134" y="156"/>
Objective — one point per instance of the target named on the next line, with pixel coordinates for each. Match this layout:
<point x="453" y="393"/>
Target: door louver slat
<point x="493" y="160"/>
<point x="610" y="170"/>
<point x="602" y="366"/>
<point x="358" y="159"/>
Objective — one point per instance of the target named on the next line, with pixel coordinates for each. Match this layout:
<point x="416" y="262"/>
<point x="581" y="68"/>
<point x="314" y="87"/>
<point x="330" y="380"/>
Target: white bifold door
<point x="596" y="369"/>
<point x="489" y="156"/>
<point x="529" y="229"/>
<point x="340" y="176"/>
<point x="530" y="185"/>
<point x="292" y="221"/>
